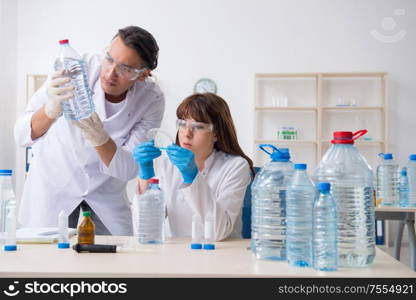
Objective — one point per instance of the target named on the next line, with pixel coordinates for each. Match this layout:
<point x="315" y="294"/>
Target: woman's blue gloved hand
<point x="144" y="154"/>
<point x="184" y="160"/>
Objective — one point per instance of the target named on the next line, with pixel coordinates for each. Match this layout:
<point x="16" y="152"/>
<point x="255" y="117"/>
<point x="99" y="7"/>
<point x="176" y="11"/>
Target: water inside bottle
<point x="388" y="181"/>
<point x="299" y="224"/>
<point x="81" y="105"/>
<point x="356" y="236"/>
<point x="151" y="217"/>
<point x="269" y="222"/>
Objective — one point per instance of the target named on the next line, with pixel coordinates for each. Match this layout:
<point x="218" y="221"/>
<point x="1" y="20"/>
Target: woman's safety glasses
<point x="196" y="127"/>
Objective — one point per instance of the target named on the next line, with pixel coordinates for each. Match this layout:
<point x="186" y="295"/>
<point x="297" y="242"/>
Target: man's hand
<point x="57" y="93"/>
<point x="92" y="129"/>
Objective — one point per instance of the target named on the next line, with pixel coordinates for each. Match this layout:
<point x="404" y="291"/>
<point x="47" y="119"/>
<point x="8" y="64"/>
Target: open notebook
<point x="39" y="234"/>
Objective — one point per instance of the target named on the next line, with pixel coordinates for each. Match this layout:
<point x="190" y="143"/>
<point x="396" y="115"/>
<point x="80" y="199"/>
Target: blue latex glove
<point x="144" y="154"/>
<point x="184" y="160"/>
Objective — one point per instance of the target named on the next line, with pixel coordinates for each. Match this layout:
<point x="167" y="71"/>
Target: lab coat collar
<point x="99" y="97"/>
<point x="209" y="162"/>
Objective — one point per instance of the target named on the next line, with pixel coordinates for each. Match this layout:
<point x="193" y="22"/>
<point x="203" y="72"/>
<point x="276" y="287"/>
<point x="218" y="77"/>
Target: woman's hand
<point x="144" y="154"/>
<point x="184" y="160"/>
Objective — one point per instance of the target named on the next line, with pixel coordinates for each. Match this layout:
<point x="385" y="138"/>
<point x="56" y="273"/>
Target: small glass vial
<point x="197" y="235"/>
<point x="209" y="230"/>
<point x="10" y="226"/>
<point x="63" y="240"/>
<point x="86" y="230"/>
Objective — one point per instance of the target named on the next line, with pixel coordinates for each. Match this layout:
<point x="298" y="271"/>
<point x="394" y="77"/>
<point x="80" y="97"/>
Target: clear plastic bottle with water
<point x="7" y="196"/>
<point x="81" y="105"/>
<point x="151" y="206"/>
<point x="411" y="175"/>
<point x="388" y="180"/>
<point x="209" y="232"/>
<point x="197" y="232"/>
<point x="10" y="229"/>
<point x="404" y="188"/>
<point x="301" y="194"/>
<point x="351" y="181"/>
<point x="324" y="249"/>
<point x="268" y="217"/>
<point x="63" y="237"/>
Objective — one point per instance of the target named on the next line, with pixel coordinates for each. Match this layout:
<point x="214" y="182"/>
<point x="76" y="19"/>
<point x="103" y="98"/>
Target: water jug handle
<point x="262" y="146"/>
<point x="358" y="134"/>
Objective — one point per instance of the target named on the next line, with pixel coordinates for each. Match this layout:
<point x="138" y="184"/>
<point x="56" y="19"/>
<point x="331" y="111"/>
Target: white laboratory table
<point x="172" y="259"/>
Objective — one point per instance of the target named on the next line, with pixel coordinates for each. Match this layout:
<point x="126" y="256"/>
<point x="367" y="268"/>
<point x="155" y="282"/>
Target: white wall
<point x="229" y="41"/>
<point x="8" y="30"/>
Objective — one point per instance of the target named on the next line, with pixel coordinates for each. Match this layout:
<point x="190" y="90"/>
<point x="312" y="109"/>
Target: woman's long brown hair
<point x="210" y="108"/>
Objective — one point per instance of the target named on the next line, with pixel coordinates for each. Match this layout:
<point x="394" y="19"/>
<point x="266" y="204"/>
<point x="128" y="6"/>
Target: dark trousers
<point x="100" y="228"/>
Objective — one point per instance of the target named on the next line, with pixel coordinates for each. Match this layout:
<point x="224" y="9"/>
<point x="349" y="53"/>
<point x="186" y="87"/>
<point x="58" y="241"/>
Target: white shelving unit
<point x="317" y="104"/>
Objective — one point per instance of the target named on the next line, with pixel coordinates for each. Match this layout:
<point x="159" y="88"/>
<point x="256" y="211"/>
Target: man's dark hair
<point x="143" y="42"/>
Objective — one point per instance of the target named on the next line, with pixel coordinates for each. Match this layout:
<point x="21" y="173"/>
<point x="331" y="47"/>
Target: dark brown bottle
<point x="86" y="230"/>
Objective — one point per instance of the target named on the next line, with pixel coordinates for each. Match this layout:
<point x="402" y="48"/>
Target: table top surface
<point x="395" y="209"/>
<point x="174" y="258"/>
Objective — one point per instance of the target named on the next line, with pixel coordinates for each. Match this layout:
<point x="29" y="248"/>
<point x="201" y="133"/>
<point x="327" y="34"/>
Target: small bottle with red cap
<point x="351" y="180"/>
<point x="151" y="206"/>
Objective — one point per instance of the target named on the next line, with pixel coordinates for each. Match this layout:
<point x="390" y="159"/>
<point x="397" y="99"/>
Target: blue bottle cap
<point x="388" y="156"/>
<point x="63" y="245"/>
<point x="10" y="247"/>
<point x="209" y="246"/>
<point x="412" y="157"/>
<point x="6" y="172"/>
<point x="324" y="187"/>
<point x="300" y="166"/>
<point x="196" y="246"/>
<point x="281" y="155"/>
<point x="403" y="172"/>
<point x="277" y="154"/>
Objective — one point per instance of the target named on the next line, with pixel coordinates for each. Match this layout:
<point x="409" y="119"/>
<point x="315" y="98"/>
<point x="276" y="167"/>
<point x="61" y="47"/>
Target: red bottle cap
<point x="62" y="42"/>
<point x="347" y="137"/>
<point x="154" y="180"/>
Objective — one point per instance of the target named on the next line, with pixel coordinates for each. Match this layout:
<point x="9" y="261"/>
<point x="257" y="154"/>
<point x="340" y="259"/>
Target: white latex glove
<point x="57" y="93"/>
<point x="92" y="129"/>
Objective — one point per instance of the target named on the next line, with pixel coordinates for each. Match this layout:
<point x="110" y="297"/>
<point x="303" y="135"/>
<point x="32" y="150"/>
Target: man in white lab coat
<point x="87" y="164"/>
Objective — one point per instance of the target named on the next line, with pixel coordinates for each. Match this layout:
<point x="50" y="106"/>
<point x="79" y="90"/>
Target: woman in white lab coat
<point x="205" y="171"/>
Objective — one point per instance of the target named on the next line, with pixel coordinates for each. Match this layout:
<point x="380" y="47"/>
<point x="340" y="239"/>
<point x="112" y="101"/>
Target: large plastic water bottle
<point x="351" y="180"/>
<point x="151" y="214"/>
<point x="324" y="249"/>
<point x="268" y="216"/>
<point x="411" y="175"/>
<point x="81" y="105"/>
<point x="299" y="203"/>
<point x="404" y="188"/>
<point x="388" y="181"/>
<point x="7" y="197"/>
